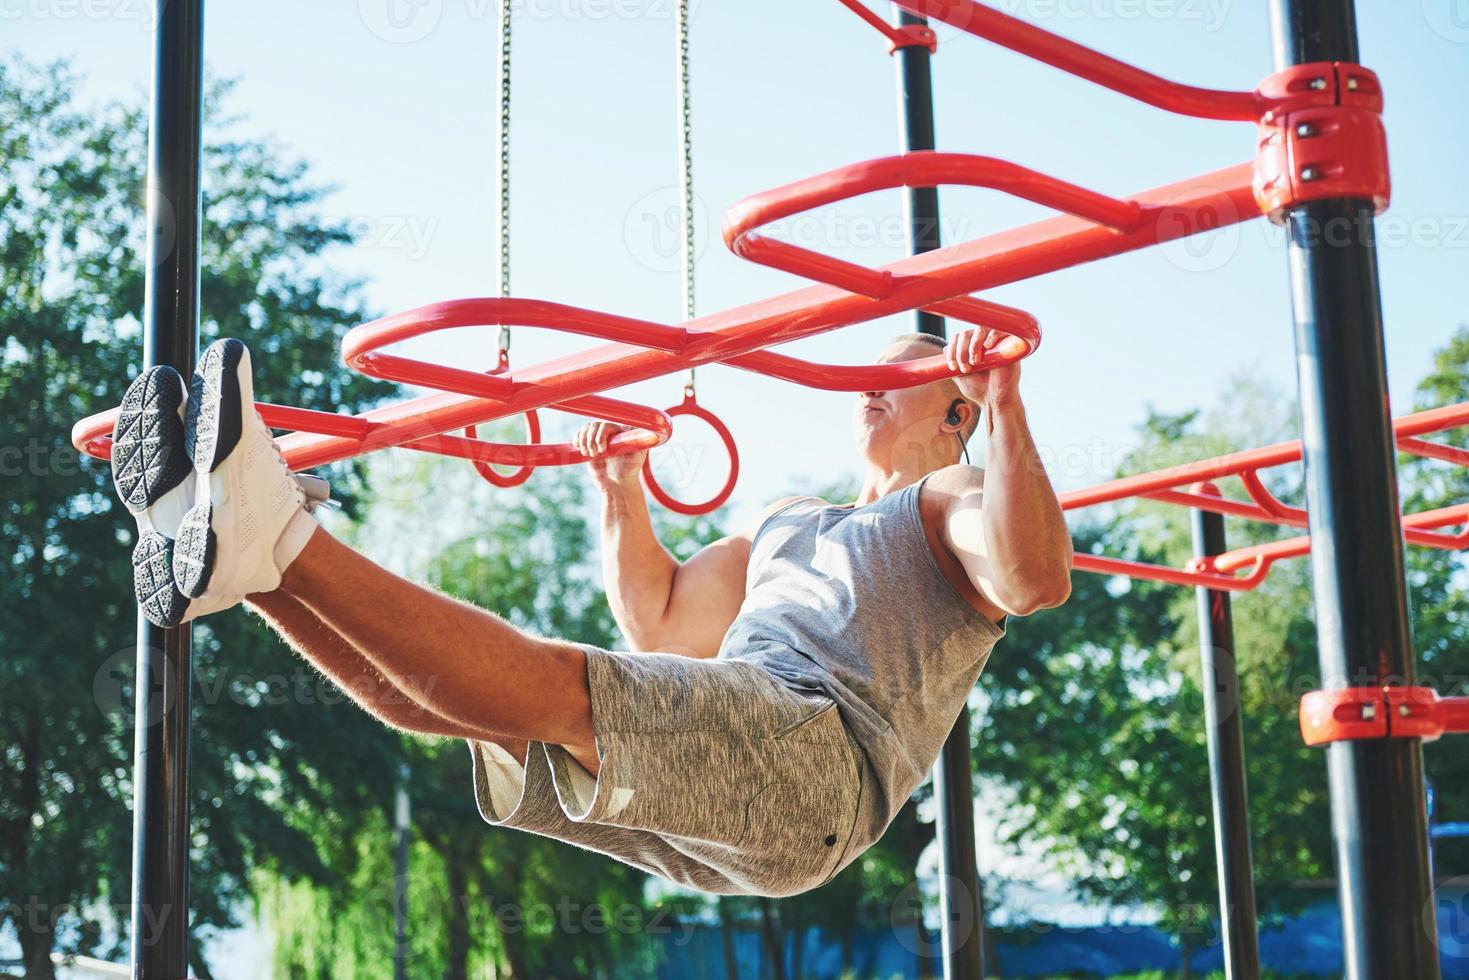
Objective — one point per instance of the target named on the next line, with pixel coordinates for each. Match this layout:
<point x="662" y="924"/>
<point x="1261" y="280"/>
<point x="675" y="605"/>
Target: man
<point x="790" y="685"/>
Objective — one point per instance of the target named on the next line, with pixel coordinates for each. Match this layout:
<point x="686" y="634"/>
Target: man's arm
<point x="1004" y="523"/>
<point x="659" y="603"/>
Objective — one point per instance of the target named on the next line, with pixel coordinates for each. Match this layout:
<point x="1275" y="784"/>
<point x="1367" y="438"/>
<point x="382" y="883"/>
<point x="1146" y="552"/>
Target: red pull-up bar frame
<point x="1345" y="98"/>
<point x="1185" y="485"/>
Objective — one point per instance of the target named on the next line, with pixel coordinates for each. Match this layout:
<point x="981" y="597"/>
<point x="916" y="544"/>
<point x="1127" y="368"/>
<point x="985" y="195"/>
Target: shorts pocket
<point x="697" y="786"/>
<point x="817" y="720"/>
<point x="803" y="822"/>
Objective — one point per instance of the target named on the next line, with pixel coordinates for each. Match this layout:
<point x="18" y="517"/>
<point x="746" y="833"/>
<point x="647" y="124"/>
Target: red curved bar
<point x="361" y="347"/>
<point x="1025" y="337"/>
<point x="1223" y="571"/>
<point x="922" y="169"/>
<point x="93" y="434"/>
<point x="644" y="351"/>
<point x="1083" y="62"/>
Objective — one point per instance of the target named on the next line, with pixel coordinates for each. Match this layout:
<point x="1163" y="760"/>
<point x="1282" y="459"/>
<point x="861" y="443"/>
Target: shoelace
<point x="317" y="490"/>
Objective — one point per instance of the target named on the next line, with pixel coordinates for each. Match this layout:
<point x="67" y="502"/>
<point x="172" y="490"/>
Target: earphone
<point x="953" y="419"/>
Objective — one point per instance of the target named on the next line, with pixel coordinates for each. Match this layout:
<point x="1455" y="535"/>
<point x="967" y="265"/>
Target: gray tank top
<point x="850" y="601"/>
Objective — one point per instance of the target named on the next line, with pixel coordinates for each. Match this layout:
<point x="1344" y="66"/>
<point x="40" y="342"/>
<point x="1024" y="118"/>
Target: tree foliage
<point x="71" y="295"/>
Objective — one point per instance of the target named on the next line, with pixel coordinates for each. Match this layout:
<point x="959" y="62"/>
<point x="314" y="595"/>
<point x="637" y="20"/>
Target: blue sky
<point x="392" y="102"/>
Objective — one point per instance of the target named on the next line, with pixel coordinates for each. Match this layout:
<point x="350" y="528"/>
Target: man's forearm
<point x="1026" y="536"/>
<point x="637" y="569"/>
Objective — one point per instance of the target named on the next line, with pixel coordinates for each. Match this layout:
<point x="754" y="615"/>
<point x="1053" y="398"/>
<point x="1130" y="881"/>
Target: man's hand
<point x="992" y="387"/>
<point x="608" y="472"/>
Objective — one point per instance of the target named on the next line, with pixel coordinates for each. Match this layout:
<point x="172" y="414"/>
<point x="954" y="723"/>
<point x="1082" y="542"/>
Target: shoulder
<point x="952" y="483"/>
<point x="752" y="527"/>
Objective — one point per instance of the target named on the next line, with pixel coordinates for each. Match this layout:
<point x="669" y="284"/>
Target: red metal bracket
<point x="906" y="36"/>
<point x="914" y="36"/>
<point x="1322" y="138"/>
<point x="1390" y="711"/>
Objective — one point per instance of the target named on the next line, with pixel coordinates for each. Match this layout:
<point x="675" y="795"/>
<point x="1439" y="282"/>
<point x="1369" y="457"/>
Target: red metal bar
<point x="1244" y="568"/>
<point x="1083" y="62"/>
<point x="909" y="35"/>
<point x="1169" y="212"/>
<point x="924" y="169"/>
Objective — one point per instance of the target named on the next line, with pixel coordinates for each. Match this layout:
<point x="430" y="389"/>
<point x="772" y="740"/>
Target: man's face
<point x="903" y="426"/>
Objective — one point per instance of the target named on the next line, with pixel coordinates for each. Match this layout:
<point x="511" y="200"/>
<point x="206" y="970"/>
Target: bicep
<point x="707" y="592"/>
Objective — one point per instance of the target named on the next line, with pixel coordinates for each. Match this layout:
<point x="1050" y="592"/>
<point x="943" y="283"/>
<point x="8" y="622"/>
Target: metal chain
<point x="503" y="226"/>
<point x="686" y="172"/>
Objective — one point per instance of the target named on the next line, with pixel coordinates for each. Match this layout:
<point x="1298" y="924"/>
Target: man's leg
<point x="364" y="683"/>
<point x="463" y="664"/>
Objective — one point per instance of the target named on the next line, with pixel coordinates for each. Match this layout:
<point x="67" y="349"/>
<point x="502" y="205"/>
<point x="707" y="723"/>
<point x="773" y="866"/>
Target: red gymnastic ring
<point x="487" y="470"/>
<point x="691" y="407"/>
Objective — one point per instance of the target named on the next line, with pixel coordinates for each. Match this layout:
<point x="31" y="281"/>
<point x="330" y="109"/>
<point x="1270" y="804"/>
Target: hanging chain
<point x="503" y="226"/>
<point x="686" y="172"/>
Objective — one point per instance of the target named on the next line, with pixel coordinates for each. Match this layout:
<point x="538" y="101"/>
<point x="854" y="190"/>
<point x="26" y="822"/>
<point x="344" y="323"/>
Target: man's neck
<point x="881" y="482"/>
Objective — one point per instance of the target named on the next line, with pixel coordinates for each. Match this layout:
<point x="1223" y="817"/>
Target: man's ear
<point x="960" y="417"/>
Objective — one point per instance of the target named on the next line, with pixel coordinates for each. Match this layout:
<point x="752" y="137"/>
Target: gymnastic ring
<point x="487" y="470"/>
<point x="689" y="406"/>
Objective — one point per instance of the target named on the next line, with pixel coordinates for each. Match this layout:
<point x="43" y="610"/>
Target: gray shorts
<point x="713" y="775"/>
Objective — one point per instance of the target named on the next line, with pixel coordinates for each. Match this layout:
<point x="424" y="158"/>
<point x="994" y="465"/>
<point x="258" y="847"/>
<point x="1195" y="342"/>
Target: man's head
<point x="923" y="427"/>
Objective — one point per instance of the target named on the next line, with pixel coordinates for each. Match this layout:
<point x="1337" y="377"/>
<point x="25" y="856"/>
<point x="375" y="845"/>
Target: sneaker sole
<point x="153" y="582"/>
<point x="194" y="552"/>
<point x="213" y="424"/>
<point x="149" y="453"/>
<point x="212" y="430"/>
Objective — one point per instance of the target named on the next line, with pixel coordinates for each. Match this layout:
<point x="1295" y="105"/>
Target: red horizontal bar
<point x="1220" y="571"/>
<point x="1083" y="62"/>
<point x="1168" y="212"/>
<point x="1418" y="423"/>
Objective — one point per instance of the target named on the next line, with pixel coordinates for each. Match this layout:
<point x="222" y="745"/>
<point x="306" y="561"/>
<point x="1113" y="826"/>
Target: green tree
<point x="71" y="291"/>
<point x="1094" y="722"/>
<point x="1436" y="593"/>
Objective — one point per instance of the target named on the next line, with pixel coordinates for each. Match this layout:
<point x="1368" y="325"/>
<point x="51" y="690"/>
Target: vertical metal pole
<point x="1225" y="735"/>
<point x="402" y="812"/>
<point x="1378" y="817"/>
<point x="160" y="911"/>
<point x="961" y="904"/>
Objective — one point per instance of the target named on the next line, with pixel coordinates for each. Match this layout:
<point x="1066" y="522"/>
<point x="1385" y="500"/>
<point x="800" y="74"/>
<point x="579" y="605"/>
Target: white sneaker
<point x="154" y="478"/>
<point x="249" y="519"/>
